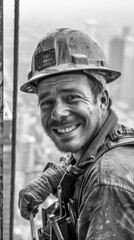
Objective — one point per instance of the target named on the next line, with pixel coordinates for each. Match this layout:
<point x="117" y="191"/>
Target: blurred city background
<point x="111" y="24"/>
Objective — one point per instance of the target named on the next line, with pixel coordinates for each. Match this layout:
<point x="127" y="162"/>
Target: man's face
<point x="68" y="112"/>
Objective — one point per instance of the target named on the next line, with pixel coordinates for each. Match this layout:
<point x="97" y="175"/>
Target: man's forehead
<point x="67" y="83"/>
<point x="63" y="81"/>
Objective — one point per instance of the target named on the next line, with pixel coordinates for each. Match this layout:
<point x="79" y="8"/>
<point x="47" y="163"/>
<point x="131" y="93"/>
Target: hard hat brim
<point x="31" y="85"/>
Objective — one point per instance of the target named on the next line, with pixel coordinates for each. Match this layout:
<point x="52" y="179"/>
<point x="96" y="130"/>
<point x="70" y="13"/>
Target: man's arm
<point x="39" y="189"/>
<point x="108" y="214"/>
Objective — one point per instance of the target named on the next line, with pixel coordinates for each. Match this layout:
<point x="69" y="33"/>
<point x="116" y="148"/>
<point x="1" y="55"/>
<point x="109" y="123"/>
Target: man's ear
<point x="104" y="99"/>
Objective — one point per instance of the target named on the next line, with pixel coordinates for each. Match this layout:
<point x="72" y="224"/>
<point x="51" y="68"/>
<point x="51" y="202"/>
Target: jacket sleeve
<point x="36" y="191"/>
<point x="107" y="214"/>
<point x="49" y="180"/>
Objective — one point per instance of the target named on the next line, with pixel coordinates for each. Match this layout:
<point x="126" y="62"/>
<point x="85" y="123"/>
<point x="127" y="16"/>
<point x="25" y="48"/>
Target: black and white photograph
<point x="66" y="120"/>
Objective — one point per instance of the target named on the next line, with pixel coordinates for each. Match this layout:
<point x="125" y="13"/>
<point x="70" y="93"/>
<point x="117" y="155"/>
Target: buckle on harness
<point x="115" y="135"/>
<point x="121" y="133"/>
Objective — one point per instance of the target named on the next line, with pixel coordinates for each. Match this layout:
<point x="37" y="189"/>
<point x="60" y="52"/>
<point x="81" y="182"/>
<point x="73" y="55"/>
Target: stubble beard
<point x="68" y="148"/>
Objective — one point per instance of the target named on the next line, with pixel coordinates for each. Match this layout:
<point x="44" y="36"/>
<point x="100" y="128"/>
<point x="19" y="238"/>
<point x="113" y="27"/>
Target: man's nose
<point x="60" y="111"/>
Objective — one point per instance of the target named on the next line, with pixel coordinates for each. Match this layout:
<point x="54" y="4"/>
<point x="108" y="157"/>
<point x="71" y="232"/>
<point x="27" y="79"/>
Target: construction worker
<point x="69" y="74"/>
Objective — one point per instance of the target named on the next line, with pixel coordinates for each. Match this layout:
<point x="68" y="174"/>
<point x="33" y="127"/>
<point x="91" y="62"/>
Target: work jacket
<point x="103" y="193"/>
<point x="106" y="192"/>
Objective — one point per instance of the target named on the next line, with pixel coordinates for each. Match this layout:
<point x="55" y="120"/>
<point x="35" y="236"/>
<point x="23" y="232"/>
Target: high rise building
<point x="116" y="61"/>
<point x="127" y="86"/>
<point x="116" y="49"/>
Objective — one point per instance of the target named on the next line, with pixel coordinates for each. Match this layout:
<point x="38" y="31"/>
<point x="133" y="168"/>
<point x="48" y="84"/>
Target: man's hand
<point x="29" y="202"/>
<point x="33" y="195"/>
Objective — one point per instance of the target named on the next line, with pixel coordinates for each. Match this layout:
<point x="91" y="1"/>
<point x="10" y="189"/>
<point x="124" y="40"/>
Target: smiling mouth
<point x="66" y="130"/>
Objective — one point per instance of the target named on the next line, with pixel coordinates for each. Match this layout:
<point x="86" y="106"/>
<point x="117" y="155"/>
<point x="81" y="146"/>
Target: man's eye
<point x="47" y="103"/>
<point x="72" y="98"/>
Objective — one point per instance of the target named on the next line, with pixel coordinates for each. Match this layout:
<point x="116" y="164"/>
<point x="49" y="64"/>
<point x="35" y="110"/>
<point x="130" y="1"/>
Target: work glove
<point x="39" y="189"/>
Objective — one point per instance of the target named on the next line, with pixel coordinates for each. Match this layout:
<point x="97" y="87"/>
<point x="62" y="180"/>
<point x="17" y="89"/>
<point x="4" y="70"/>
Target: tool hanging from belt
<point x="32" y="225"/>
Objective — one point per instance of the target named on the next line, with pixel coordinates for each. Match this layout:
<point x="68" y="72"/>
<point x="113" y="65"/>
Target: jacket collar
<point x="90" y="154"/>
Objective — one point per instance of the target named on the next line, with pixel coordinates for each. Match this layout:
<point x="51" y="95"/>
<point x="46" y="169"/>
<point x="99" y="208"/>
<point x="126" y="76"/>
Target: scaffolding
<point x="1" y="119"/>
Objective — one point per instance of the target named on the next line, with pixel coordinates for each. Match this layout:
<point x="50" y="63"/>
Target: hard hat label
<point x="45" y="59"/>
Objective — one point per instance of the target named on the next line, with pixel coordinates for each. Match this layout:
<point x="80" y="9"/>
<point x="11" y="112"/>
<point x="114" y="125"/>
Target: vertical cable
<point x="1" y="119"/>
<point x="15" y="86"/>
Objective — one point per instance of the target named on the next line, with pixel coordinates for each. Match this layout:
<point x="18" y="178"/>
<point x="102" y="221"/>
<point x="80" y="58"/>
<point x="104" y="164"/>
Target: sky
<point x="55" y="13"/>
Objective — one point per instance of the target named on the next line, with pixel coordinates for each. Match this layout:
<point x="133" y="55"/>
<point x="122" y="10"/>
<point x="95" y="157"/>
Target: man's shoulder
<point x="119" y="156"/>
<point x="117" y="167"/>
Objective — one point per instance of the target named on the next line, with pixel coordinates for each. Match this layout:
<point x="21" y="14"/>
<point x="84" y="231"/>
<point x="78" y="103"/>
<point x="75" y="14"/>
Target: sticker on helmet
<point x="45" y="59"/>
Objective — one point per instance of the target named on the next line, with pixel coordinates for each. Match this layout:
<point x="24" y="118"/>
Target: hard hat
<point x="64" y="51"/>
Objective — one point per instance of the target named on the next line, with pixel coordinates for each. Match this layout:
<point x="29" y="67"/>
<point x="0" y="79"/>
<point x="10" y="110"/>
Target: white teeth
<point x="66" y="130"/>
